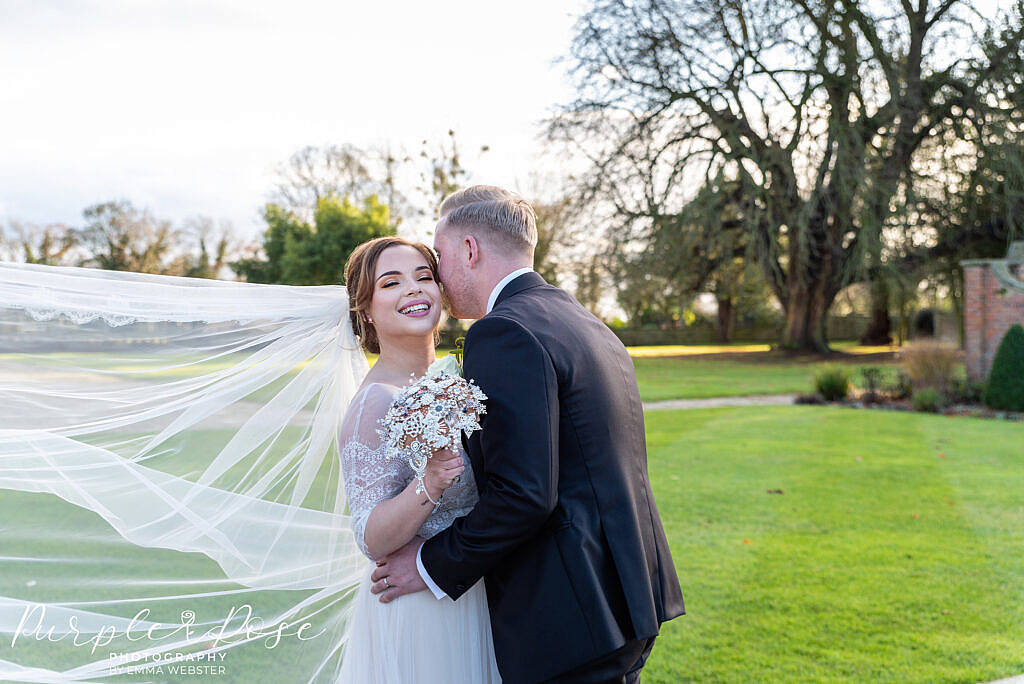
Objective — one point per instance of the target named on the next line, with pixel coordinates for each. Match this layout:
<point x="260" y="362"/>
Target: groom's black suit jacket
<point x="565" y="533"/>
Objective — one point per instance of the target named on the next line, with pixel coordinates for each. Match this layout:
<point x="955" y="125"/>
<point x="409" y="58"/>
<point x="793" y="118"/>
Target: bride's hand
<point x="442" y="469"/>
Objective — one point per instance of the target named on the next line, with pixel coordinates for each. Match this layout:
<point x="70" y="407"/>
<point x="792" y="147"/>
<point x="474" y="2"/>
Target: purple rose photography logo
<point x="141" y="646"/>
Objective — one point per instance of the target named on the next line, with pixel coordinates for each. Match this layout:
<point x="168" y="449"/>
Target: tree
<point x="880" y="326"/>
<point x="740" y="293"/>
<point x="702" y="247"/>
<point x="818" y="108"/>
<point x="314" y="173"/>
<point x="53" y="245"/>
<point x="707" y="248"/>
<point x="648" y="295"/>
<point x="299" y="253"/>
<point x="120" y="237"/>
<point x="443" y="172"/>
<point x="211" y="247"/>
<point x="588" y="272"/>
<point x="973" y="200"/>
<point x="556" y="236"/>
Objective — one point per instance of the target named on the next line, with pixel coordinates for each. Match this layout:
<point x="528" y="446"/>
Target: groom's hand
<point x="399" y="571"/>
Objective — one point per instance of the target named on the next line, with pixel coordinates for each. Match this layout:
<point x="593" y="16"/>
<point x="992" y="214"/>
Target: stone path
<point x="719" y="402"/>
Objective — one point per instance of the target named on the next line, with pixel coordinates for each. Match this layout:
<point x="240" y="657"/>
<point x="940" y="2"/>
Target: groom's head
<point x="485" y="233"/>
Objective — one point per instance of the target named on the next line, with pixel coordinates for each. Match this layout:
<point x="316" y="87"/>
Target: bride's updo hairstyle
<point x="359" y="280"/>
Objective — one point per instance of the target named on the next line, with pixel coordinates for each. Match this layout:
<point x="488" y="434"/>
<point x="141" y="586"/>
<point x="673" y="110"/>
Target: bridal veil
<point x="170" y="495"/>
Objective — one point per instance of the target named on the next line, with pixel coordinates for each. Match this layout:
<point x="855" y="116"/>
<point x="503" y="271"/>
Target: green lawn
<point x="740" y="374"/>
<point x="893" y="553"/>
<point x="676" y="372"/>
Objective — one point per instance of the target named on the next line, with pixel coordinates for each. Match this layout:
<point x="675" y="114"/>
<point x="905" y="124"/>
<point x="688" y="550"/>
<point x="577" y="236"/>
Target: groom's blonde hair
<point x="502" y="215"/>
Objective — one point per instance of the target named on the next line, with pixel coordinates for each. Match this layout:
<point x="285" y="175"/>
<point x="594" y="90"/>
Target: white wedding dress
<point x="416" y="637"/>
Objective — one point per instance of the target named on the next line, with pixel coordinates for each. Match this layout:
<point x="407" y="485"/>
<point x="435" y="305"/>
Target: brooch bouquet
<point x="430" y="414"/>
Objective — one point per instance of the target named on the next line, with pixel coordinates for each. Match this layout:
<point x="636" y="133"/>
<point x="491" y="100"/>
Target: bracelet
<point x="422" y="489"/>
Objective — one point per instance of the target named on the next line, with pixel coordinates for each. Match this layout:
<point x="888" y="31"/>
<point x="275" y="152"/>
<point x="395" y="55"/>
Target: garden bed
<point x="891" y="404"/>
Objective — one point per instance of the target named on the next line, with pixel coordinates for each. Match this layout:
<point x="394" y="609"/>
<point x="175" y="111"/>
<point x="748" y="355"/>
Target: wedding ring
<point x="386" y="584"/>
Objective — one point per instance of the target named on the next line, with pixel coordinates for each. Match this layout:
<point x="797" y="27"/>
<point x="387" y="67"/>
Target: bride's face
<point x="406" y="298"/>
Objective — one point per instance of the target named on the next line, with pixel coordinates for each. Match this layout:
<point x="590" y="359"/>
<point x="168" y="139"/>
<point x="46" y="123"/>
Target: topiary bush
<point x="1005" y="388"/>
<point x="833" y="383"/>
<point x="928" y="400"/>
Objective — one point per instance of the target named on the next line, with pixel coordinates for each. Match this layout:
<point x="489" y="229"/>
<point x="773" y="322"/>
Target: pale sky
<point x="186" y="106"/>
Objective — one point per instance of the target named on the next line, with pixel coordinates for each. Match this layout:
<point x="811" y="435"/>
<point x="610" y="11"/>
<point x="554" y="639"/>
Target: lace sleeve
<point x="370" y="477"/>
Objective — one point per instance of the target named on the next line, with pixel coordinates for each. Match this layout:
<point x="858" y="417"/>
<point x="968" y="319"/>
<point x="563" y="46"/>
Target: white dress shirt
<point x="437" y="591"/>
<point x="501" y="286"/>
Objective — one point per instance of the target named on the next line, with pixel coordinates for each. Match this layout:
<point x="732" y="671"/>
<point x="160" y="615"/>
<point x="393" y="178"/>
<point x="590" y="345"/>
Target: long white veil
<point x="171" y="504"/>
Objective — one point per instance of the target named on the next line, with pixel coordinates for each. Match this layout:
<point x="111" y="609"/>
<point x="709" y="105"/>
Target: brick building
<point x="993" y="301"/>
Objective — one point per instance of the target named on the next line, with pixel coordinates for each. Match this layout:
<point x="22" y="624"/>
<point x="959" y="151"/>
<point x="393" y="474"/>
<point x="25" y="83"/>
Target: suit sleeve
<point x="520" y="460"/>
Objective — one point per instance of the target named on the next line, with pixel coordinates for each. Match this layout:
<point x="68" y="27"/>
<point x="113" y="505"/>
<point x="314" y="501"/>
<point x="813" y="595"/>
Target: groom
<point x="566" y="533"/>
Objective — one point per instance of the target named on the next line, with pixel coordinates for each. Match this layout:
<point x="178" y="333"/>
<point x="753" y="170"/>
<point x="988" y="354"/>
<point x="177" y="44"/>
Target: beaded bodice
<point x="372" y="474"/>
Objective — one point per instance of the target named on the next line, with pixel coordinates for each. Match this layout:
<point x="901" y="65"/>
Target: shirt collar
<point x="501" y="286"/>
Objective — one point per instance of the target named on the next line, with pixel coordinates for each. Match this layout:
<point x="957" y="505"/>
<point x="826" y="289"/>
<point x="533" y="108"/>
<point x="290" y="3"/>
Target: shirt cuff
<point x="437" y="591"/>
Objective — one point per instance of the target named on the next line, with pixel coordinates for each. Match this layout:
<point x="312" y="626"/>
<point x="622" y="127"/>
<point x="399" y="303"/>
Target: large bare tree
<point x="816" y="108"/>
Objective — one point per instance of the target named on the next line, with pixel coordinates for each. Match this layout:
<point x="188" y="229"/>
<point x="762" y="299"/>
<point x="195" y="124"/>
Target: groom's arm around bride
<point x="566" y="533"/>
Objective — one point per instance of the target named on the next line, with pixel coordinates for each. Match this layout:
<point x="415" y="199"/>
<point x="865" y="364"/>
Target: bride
<point x="396" y="306"/>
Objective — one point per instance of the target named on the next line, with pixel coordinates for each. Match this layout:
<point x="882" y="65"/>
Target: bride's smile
<point x="416" y="309"/>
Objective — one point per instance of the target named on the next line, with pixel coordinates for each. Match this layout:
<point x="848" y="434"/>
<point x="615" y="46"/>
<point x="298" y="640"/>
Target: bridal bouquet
<point x="430" y="414"/>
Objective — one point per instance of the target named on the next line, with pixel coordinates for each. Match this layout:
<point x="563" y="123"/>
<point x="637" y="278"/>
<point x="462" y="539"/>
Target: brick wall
<point x="993" y="301"/>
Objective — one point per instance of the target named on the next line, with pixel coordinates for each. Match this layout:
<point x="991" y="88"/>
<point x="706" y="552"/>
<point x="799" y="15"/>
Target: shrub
<point x="928" y="400"/>
<point x="872" y="380"/>
<point x="902" y="387"/>
<point x="833" y="383"/>
<point x="931" y="364"/>
<point x="966" y="391"/>
<point x="1005" y="388"/>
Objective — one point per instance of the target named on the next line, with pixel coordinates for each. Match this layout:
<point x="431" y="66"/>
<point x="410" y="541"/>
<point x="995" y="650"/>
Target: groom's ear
<point x="472" y="249"/>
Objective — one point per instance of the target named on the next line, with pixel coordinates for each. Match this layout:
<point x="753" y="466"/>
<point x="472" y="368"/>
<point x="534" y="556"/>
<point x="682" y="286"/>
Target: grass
<point x="743" y="374"/>
<point x="848" y="347"/>
<point x="891" y="555"/>
<point x="739" y="369"/>
<point x="669" y="372"/>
